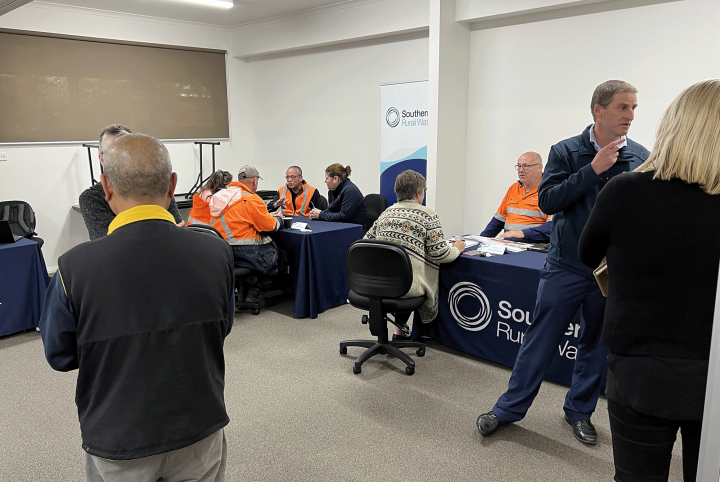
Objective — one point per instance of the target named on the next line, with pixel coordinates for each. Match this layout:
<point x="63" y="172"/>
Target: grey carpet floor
<point x="298" y="413"/>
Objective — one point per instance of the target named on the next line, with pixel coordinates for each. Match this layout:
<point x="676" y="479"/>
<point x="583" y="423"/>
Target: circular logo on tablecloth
<point x="474" y="321"/>
<point x="392" y="117"/>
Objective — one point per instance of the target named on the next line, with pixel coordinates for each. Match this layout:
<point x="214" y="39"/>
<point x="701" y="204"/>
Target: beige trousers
<point x="204" y="461"/>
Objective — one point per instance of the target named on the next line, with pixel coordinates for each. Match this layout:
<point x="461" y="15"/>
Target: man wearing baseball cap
<point x="242" y="218"/>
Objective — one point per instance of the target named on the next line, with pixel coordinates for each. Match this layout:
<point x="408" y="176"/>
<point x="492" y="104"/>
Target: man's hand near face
<point x="606" y="157"/>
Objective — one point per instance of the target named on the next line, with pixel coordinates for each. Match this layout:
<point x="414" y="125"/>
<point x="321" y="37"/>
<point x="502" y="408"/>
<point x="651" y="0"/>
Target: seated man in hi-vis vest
<point x="242" y="218"/>
<point x="297" y="196"/>
<point x="519" y="214"/>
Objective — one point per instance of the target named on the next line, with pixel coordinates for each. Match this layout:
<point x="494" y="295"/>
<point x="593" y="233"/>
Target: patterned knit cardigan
<point x="417" y="229"/>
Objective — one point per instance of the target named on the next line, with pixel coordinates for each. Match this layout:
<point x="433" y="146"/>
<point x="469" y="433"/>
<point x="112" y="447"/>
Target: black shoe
<point x="400" y="338"/>
<point x="583" y="430"/>
<point x="488" y="423"/>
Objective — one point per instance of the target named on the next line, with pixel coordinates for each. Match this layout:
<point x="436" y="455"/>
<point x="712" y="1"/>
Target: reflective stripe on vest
<point x="305" y="195"/>
<point x="519" y="227"/>
<point x="526" y="212"/>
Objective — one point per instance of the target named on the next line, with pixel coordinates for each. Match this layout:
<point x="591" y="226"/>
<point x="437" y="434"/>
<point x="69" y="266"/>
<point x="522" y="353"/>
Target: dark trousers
<point x="560" y="295"/>
<point x="642" y="445"/>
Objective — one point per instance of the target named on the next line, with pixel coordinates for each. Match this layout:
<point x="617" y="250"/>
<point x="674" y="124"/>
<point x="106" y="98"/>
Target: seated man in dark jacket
<point x="94" y="207"/>
<point x="144" y="318"/>
<point x="346" y="204"/>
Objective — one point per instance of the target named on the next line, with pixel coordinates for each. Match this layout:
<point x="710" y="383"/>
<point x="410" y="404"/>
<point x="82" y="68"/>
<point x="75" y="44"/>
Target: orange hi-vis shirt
<point x="241" y="215"/>
<point x="200" y="211"/>
<point x="520" y="210"/>
<point x="302" y="201"/>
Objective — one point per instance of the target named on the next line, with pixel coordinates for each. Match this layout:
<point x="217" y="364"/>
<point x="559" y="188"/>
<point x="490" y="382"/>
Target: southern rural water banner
<point x="403" y="132"/>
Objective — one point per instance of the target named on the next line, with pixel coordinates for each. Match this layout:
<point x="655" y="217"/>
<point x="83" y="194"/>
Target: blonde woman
<point x="659" y="312"/>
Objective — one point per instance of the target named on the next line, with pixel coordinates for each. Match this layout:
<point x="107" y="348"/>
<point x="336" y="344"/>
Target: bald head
<point x="138" y="167"/>
<point x="529" y="167"/>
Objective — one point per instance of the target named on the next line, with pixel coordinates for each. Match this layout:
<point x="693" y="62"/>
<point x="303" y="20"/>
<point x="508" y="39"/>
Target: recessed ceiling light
<point x="213" y="3"/>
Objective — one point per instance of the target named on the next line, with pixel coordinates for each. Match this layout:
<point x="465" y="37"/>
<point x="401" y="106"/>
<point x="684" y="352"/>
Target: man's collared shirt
<point x="593" y="141"/>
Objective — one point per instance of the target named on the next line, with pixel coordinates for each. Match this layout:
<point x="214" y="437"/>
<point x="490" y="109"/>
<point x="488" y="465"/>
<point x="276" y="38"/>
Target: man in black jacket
<point x="143" y="318"/>
<point x="576" y="171"/>
<point x="94" y="207"/>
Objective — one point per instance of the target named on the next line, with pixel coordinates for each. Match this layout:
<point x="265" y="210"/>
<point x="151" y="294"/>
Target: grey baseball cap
<point x="248" y="171"/>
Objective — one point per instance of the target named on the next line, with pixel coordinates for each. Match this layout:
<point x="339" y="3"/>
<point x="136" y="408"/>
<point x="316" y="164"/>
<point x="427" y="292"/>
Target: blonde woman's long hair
<point x="688" y="139"/>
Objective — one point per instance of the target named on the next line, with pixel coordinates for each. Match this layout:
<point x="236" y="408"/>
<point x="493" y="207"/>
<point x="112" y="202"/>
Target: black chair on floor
<point x="245" y="278"/>
<point x="379" y="273"/>
<point x="375" y="205"/>
<point x="21" y="218"/>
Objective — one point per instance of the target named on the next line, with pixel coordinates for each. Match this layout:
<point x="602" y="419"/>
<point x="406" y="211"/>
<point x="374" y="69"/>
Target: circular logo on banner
<point x="392" y="117"/>
<point x="473" y="322"/>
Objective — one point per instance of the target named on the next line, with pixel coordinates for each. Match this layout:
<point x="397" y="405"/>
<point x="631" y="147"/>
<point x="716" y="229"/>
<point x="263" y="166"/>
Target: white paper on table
<point x="299" y="225"/>
<point x="492" y="248"/>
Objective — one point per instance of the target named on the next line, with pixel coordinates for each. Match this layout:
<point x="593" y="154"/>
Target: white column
<point x="448" y="101"/>
<point x="709" y="460"/>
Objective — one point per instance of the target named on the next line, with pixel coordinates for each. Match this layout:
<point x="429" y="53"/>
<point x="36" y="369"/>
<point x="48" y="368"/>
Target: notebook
<point x="6" y="234"/>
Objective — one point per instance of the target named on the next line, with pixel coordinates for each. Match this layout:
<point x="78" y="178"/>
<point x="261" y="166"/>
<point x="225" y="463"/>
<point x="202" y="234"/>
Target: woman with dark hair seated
<point x="660" y="304"/>
<point x="200" y="212"/>
<point x="416" y="228"/>
<point x="346" y="203"/>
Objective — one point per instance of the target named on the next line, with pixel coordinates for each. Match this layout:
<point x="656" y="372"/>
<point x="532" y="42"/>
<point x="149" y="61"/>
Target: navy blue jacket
<point x="569" y="189"/>
<point x="346" y="204"/>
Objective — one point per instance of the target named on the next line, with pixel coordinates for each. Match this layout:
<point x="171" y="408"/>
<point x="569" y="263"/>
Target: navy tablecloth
<point x="23" y="281"/>
<point x="317" y="264"/>
<point x="486" y="304"/>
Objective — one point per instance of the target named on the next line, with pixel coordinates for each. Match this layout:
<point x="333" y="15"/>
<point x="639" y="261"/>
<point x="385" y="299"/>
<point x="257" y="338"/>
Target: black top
<point x="346" y="205"/>
<point x="152" y="315"/>
<point x="660" y="238"/>
<point x="98" y="215"/>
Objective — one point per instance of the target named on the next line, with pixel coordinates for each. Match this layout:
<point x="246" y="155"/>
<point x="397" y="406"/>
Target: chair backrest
<point x="20" y="216"/>
<point x="378" y="269"/>
<point x="375" y="205"/>
<point x="204" y="229"/>
<point x="323" y="203"/>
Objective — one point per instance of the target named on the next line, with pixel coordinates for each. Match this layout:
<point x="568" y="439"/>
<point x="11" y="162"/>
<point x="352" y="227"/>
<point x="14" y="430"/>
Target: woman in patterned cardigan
<point x="417" y="229"/>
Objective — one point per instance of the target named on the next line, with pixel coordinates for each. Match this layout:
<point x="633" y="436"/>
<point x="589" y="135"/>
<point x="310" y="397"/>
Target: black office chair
<point x="323" y="203"/>
<point x="244" y="277"/>
<point x="375" y="205"/>
<point x="379" y="273"/>
<point x="21" y="218"/>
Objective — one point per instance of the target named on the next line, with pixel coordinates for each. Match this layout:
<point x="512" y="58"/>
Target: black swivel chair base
<point x="383" y="347"/>
<point x="391" y="348"/>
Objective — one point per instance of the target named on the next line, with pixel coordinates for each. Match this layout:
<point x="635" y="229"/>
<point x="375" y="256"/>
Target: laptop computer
<point x="6" y="234"/>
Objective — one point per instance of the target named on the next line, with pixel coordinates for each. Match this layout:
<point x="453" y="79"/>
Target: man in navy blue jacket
<point x="576" y="171"/>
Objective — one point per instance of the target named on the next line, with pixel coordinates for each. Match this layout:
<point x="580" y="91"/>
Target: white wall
<point x="51" y="177"/>
<point x="317" y="107"/>
<point x="530" y="84"/>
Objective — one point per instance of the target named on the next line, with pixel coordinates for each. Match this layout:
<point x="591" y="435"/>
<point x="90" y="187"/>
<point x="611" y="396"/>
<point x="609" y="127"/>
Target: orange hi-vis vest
<point x="519" y="210"/>
<point x="200" y="211"/>
<point x="302" y="201"/>
<point x="244" y="216"/>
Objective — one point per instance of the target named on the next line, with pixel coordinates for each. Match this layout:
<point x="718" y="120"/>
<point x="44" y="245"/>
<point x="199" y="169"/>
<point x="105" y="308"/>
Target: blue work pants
<point x="561" y="293"/>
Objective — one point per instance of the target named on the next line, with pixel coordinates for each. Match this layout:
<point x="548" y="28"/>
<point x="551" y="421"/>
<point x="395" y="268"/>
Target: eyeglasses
<point x="525" y="167"/>
<point x="291" y="177"/>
